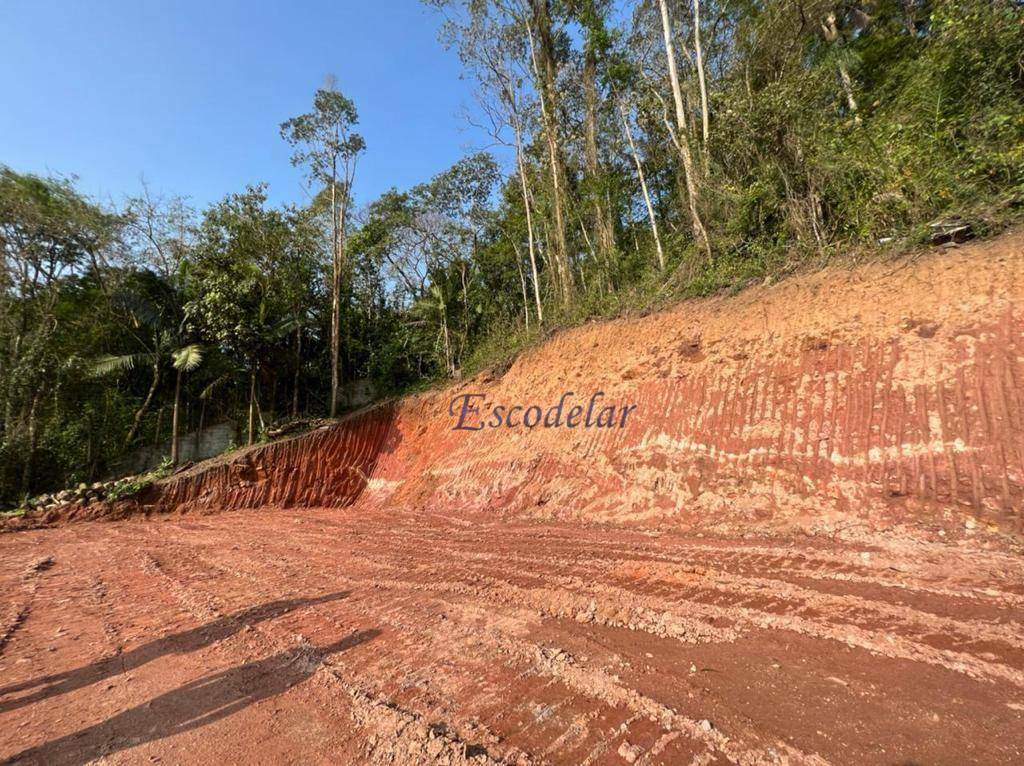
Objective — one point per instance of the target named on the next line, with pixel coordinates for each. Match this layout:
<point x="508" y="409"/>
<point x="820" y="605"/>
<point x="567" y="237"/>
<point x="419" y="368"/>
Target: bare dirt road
<point x="326" y="636"/>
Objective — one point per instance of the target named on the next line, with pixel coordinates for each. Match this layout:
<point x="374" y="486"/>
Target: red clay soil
<point x="803" y="547"/>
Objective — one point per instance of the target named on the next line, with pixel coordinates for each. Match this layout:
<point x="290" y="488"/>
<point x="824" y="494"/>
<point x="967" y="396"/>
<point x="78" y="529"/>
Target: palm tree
<point x="185" y="359"/>
<point x="166" y="346"/>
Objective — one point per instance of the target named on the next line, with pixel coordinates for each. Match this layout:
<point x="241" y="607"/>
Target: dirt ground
<point x="327" y="636"/>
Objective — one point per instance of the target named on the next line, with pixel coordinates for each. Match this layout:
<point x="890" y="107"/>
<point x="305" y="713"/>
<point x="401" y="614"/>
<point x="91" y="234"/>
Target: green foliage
<point x="187" y="358"/>
<point x="325" y="135"/>
<point x="134" y="484"/>
<point x="939" y="129"/>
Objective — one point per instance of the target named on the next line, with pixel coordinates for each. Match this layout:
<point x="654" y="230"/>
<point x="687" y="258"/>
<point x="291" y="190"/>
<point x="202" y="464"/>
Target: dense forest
<point x="642" y="153"/>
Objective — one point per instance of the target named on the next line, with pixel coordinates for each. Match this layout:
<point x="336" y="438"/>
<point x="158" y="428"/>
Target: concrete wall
<point x="211" y="441"/>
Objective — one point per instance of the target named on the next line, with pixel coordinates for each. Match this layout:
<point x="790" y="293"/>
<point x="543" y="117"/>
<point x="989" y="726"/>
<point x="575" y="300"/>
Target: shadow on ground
<point x="177" y="643"/>
<point x="191" y="706"/>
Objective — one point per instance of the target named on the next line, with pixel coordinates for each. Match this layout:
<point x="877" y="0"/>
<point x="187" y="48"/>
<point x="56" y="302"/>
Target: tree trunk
<point x="643" y="187"/>
<point x="174" y="419"/>
<point x="447" y="344"/>
<point x="700" y="79"/>
<point x="252" y="406"/>
<point x="139" y="413"/>
<point x="465" y="314"/>
<point x="531" y="238"/>
<point x="522" y="282"/>
<point x="683" y="142"/>
<point x="335" y="304"/>
<point x="831" y="31"/>
<point x="259" y="412"/>
<point x="199" y="430"/>
<point x="33" y="437"/>
<point x="604" y="227"/>
<point x="542" y="52"/>
<point x="343" y="289"/>
<point x="298" y="369"/>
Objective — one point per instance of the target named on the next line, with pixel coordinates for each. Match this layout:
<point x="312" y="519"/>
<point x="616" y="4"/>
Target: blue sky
<point x="190" y="93"/>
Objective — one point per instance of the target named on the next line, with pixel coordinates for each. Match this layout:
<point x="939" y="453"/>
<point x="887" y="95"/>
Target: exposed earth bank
<point x="889" y="396"/>
<point x="801" y="546"/>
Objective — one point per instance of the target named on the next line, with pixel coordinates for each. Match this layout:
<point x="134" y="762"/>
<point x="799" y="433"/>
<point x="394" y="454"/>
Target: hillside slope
<point x="890" y="394"/>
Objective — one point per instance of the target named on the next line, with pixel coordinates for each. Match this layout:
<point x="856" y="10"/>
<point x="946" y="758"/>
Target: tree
<point x="49" y="235"/>
<point x="448" y="275"/>
<point x="490" y="44"/>
<point x="158" y="232"/>
<point x="680" y="136"/>
<point x="651" y="217"/>
<point x="326" y="143"/>
<point x="184" y="360"/>
<point x="427" y="239"/>
<point x="236" y="300"/>
<point x="595" y="53"/>
<point x="150" y="309"/>
<point x="540" y="34"/>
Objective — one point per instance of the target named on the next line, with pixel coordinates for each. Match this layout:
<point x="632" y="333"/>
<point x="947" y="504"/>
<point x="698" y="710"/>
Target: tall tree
<point x="490" y="44"/>
<point x="681" y="133"/>
<point x="540" y="31"/>
<point x="699" y="63"/>
<point x="592" y="18"/>
<point x="652" y="218"/>
<point x="49" y="235"/>
<point x="184" y="360"/>
<point x="329" y="147"/>
<point x="236" y="273"/>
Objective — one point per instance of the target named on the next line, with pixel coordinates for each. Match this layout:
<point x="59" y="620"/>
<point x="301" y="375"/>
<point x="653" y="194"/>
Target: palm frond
<point x="187" y="358"/>
<point x="208" y="391"/>
<point x="285" y="327"/>
<point x="110" y="363"/>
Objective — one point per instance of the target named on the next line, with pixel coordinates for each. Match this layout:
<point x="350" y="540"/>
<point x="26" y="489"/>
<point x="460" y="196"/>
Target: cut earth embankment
<point x="891" y="394"/>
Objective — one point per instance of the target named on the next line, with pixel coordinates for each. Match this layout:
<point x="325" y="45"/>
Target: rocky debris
<point x="552" y="658"/>
<point x="629" y="752"/>
<point x="396" y="736"/>
<point x="954" y="232"/>
<point x="82" y="495"/>
<point x="300" y="425"/>
<point x="588" y="614"/>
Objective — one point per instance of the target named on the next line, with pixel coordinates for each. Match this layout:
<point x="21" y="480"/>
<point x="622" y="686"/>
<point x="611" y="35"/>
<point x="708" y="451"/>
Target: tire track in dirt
<point x="491" y="651"/>
<point x="504" y="646"/>
<point x="448" y="592"/>
<point x="401" y="734"/>
<point x="786" y="597"/>
<point x="717" y="603"/>
<point x="18" y="611"/>
<point x="776" y="571"/>
<point x="397" y="617"/>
